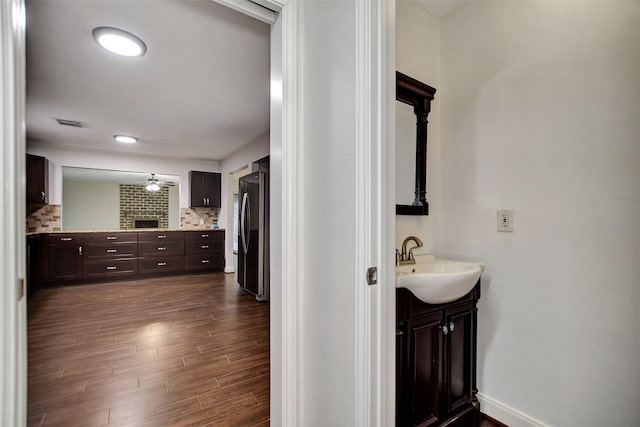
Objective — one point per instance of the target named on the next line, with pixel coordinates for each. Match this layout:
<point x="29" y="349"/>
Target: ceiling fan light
<point x="119" y="41"/>
<point x="125" y="139"/>
<point x="152" y="186"/>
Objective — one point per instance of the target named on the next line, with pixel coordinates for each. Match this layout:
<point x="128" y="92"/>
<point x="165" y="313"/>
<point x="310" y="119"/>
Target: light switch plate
<point x="505" y="220"/>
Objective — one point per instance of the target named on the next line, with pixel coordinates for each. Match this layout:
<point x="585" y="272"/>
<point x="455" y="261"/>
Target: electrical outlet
<point x="201" y="221"/>
<point x="505" y="220"/>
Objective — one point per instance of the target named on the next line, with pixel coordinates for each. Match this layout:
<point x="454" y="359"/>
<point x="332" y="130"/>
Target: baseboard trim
<point x="506" y="414"/>
<point x="230" y="269"/>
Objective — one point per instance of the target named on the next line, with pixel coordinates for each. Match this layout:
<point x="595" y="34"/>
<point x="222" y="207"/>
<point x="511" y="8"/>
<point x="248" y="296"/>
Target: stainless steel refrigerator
<point x="253" y="233"/>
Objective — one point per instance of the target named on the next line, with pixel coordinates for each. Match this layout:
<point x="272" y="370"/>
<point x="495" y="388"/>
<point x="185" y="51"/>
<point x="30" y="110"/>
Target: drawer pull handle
<point x="66" y="239"/>
<point x="112" y="238"/>
<point x="205" y="261"/>
<point x="112" y="251"/>
<point x="162" y="264"/>
<point x="204" y="236"/>
<point x="204" y="247"/>
<point x="162" y="236"/>
<point x="112" y="267"/>
<point x="162" y="248"/>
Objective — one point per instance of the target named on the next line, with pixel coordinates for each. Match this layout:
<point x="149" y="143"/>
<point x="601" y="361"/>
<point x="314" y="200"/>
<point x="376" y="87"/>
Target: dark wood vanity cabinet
<point x="204" y="189"/>
<point x="436" y="361"/>
<point x="37" y="180"/>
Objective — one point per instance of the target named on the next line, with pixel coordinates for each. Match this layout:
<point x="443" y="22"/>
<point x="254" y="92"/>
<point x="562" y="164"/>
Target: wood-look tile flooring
<point x="169" y="351"/>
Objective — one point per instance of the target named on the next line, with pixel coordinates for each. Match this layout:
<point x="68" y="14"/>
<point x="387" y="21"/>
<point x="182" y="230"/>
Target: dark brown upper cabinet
<point x="417" y="96"/>
<point x="37" y="180"/>
<point x="205" y="189"/>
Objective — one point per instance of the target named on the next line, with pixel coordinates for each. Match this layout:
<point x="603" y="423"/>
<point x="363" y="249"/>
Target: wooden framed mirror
<point x="413" y="104"/>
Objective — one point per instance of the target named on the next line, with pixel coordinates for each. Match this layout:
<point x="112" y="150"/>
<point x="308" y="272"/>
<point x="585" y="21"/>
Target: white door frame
<point x="13" y="333"/>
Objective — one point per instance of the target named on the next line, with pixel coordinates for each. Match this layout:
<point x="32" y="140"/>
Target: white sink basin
<point x="436" y="281"/>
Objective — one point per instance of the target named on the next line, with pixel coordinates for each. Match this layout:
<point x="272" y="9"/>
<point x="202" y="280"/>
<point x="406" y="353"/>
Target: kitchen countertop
<point x="34" y="233"/>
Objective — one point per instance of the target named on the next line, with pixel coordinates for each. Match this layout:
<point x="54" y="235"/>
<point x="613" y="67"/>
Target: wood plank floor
<point x="187" y="350"/>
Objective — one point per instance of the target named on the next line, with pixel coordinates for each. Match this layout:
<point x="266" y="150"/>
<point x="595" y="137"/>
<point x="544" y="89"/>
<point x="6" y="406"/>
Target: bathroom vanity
<point x="436" y="361"/>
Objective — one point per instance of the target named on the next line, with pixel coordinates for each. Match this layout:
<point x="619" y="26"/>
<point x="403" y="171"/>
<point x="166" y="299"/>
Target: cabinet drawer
<point x="203" y="247"/>
<point x="159" y="236"/>
<point x="110" y="268"/>
<point x="126" y="237"/>
<point x="164" y="248"/>
<point x="161" y="264"/>
<point x="204" y="235"/>
<point x="68" y="239"/>
<point x="111" y="250"/>
<point x="204" y="262"/>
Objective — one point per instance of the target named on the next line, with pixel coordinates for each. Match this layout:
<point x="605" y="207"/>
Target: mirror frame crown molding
<point x="419" y="95"/>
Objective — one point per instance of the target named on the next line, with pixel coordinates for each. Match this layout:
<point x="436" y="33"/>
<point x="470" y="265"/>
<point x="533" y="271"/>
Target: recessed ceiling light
<point x="125" y="139"/>
<point x="119" y="41"/>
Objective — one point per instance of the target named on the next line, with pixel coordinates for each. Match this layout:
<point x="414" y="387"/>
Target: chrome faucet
<point x="408" y="257"/>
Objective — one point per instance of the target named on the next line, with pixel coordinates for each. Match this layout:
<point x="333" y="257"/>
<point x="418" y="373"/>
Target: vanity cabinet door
<point x="459" y="350"/>
<point x="423" y="375"/>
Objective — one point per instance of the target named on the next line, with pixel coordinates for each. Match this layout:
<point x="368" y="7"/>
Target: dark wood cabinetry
<point x="110" y="255"/>
<point x="204" y="189"/>
<point x="37" y="180"/>
<point x="204" y="250"/>
<point x="70" y="257"/>
<point x="161" y="252"/>
<point x="65" y="256"/>
<point x="436" y="357"/>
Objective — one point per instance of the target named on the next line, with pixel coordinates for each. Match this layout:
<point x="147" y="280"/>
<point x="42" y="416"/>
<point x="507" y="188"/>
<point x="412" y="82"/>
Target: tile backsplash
<point x="190" y="217"/>
<point x="46" y="218"/>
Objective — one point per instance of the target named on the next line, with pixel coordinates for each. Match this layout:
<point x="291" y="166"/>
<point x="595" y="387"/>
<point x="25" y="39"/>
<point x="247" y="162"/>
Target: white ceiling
<point x="201" y="91"/>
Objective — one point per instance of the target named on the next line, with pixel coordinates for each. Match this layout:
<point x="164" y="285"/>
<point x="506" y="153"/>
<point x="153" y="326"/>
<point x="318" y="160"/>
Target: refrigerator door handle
<point x="248" y="217"/>
<point x="243" y="221"/>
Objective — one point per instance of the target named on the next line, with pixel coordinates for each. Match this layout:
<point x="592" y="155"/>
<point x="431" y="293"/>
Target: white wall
<point x="540" y="104"/>
<point x="248" y="154"/>
<point x="418" y="56"/>
<point x="90" y="205"/>
<point x="122" y="162"/>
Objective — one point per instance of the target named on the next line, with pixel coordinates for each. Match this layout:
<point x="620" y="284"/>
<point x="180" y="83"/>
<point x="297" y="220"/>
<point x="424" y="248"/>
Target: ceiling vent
<point x="66" y="122"/>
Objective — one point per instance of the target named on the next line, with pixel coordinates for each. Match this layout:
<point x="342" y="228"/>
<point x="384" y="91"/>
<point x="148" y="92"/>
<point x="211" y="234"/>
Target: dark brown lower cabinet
<point x="73" y="256"/>
<point x="436" y="357"/>
<point x="65" y="257"/>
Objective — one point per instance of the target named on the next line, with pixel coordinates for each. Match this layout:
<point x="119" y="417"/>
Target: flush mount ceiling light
<point x="119" y="41"/>
<point x="125" y="139"/>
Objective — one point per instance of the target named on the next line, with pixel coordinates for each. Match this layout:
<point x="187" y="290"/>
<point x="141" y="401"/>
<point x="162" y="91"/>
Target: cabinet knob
<point x="445" y="329"/>
<point x="452" y="326"/>
<point x="42" y="195"/>
<point x="80" y="250"/>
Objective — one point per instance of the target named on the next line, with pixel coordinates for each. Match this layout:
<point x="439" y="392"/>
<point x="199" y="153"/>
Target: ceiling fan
<point x="154" y="184"/>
